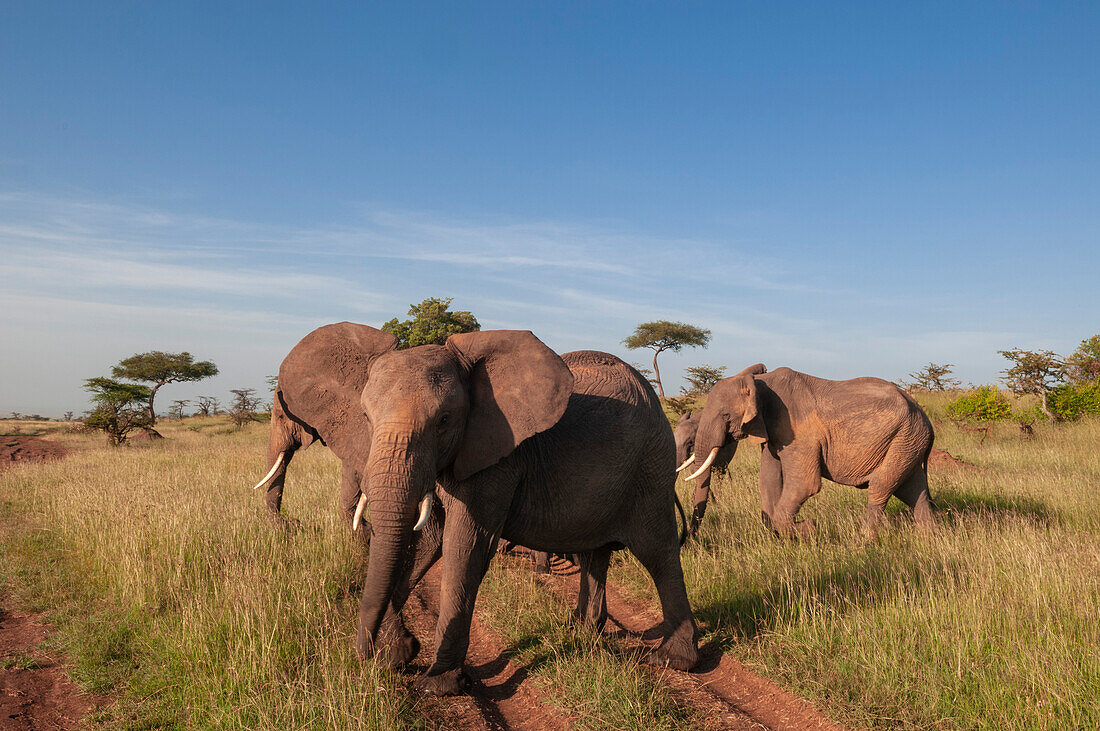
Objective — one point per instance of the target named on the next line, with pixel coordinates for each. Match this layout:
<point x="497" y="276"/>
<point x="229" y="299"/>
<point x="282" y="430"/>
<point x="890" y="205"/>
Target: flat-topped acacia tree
<point x="662" y="335"/>
<point x="160" y="368"/>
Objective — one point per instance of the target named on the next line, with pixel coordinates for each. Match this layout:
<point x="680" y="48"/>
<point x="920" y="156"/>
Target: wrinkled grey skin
<point x="562" y="454"/>
<point x="684" y="436"/>
<point x="863" y="432"/>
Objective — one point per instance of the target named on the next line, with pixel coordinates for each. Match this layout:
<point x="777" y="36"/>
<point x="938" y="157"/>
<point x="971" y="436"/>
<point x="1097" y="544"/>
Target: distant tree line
<point x="1066" y="387"/>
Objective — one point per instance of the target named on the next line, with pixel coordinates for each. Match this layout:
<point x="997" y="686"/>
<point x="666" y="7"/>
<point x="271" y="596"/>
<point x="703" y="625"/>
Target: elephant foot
<point x="450" y="682"/>
<point x="542" y="562"/>
<point x="807" y="528"/>
<point x="790" y="529"/>
<point x="676" y="654"/>
<point x="402" y="651"/>
<point x="581" y="618"/>
<point x="289" y="526"/>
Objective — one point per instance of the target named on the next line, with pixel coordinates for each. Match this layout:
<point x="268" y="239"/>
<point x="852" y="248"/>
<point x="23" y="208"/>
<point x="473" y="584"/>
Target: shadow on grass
<point x="950" y="503"/>
<point x="869" y="578"/>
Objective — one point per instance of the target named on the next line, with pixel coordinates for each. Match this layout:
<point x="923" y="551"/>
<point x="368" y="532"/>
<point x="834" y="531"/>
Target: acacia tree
<point x="244" y="406"/>
<point x="663" y="335"/>
<point x="1083" y="365"/>
<point x="176" y="410"/>
<point x="431" y="323"/>
<point x="934" y="377"/>
<point x="1033" y="371"/>
<point x="701" y="379"/>
<point x="207" y="406"/>
<point x="160" y="368"/>
<point x="120" y="408"/>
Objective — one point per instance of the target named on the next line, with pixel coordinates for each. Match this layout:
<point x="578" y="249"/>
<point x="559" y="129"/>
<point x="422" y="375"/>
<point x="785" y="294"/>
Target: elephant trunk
<point x="709" y="440"/>
<point x="397" y="483"/>
<point x="285" y="436"/>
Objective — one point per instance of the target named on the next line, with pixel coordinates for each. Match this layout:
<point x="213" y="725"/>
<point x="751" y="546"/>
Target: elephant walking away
<point x="566" y="454"/>
<point x="864" y="432"/>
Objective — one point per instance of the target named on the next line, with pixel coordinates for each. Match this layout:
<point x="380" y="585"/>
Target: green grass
<point x="169" y="587"/>
<point x="585" y="674"/>
<point x="991" y="622"/>
<point x="169" y="590"/>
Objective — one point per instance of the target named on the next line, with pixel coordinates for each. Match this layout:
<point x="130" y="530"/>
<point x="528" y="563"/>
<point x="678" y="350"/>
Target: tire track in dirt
<point x="721" y="690"/>
<point x="500" y="698"/>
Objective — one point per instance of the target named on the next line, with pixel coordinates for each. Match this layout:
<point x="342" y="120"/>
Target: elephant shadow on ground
<point x="868" y="578"/>
<point x="952" y="505"/>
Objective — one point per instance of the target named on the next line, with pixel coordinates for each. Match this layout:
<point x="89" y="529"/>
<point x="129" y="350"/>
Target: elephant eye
<point x="444" y="419"/>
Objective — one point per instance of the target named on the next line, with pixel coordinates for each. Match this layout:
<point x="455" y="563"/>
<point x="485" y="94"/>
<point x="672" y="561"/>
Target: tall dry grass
<point x="170" y="590"/>
<point x="992" y="621"/>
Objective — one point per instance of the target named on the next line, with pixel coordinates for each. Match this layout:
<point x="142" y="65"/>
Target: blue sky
<point x="846" y="189"/>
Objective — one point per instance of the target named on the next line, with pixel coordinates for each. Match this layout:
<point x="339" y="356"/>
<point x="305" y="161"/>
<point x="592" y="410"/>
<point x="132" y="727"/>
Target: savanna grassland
<point x="170" y="591"/>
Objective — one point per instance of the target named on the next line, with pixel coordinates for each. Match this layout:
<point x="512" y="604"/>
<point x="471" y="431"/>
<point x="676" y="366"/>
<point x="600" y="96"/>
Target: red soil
<point x="35" y="693"/>
<point x="941" y="459"/>
<point x="15" y="449"/>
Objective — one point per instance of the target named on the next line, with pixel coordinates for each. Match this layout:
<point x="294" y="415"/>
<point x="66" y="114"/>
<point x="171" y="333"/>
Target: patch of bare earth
<point x="723" y="693"/>
<point x="941" y="459"/>
<point x="35" y="693"/>
<point x="500" y="698"/>
<point x="15" y="449"/>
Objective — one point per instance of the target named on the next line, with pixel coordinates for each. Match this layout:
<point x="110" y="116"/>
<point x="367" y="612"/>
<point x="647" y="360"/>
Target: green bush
<point x="1070" y="402"/>
<point x="982" y="404"/>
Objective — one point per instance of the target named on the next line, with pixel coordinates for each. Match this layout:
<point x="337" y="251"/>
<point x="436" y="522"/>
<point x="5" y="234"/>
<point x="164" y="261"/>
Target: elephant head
<point x="684" y="435"/>
<point x="409" y="417"/>
<point x="317" y="399"/>
<point x="732" y="413"/>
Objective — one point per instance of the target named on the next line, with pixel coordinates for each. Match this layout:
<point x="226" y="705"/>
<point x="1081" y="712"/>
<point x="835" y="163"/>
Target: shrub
<point x="984" y="404"/>
<point x="1071" y="401"/>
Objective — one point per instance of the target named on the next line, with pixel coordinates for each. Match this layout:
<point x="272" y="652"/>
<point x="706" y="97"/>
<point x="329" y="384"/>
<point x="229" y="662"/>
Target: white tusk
<point x="425" y="511"/>
<point x="701" y="470"/>
<point x="271" y="472"/>
<point x="684" y="466"/>
<point x="359" y="512"/>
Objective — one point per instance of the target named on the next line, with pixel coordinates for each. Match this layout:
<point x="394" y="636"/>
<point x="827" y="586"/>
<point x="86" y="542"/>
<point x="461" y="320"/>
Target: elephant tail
<point x="683" y="521"/>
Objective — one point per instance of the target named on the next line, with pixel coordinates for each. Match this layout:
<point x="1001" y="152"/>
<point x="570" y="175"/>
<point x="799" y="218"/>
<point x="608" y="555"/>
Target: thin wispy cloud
<point x="146" y="277"/>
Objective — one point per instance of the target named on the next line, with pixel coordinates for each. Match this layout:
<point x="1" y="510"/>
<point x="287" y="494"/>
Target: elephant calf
<point x="863" y="432"/>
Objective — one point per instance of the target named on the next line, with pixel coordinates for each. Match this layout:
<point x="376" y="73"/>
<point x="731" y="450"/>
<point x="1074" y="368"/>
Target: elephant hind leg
<point x="591" y="607"/>
<point x="678" y="650"/>
<point x="914" y="493"/>
<point x="891" y="477"/>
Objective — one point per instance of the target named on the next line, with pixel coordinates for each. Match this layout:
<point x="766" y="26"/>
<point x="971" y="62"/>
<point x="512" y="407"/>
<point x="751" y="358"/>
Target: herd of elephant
<point x="493" y="435"/>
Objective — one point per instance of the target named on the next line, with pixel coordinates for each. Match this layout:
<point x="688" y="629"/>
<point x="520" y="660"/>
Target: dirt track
<point x="35" y="693"/>
<point x="500" y="699"/>
<point x="722" y="692"/>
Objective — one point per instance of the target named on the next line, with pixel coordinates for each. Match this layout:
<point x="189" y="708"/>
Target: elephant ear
<point x="321" y="380"/>
<point x="518" y="388"/>
<point x="752" y="421"/>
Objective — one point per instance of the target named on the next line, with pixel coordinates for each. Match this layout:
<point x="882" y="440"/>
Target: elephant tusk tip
<point x="425" y="511"/>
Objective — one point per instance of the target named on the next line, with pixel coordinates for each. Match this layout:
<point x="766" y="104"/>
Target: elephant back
<point x="596" y="373"/>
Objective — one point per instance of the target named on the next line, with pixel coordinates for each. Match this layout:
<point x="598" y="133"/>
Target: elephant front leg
<point x="771" y="485"/>
<point x="801" y="478"/>
<point x="469" y="542"/>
